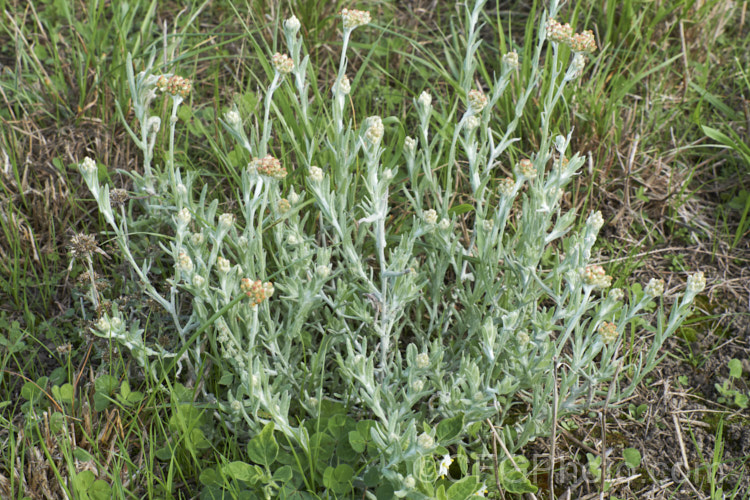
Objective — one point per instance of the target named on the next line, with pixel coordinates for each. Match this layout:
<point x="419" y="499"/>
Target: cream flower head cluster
<point x="355" y="18"/>
<point x="256" y="290"/>
<point x="174" y="85"/>
<point x="526" y="168"/>
<point x="269" y="167"/>
<point x="583" y="42"/>
<point x="282" y="63"/>
<point x="597" y="277"/>
<point x="477" y="101"/>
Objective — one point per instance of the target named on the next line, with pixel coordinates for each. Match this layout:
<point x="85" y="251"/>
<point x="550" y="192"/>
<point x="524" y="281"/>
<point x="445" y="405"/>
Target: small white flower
<point x="293" y="240"/>
<point x="292" y="24"/>
<point x="417" y="386"/>
<point x="323" y="271"/>
<point x="199" y="280"/>
<point x="293" y="197"/>
<point x="477" y="101"/>
<point x="387" y="174"/>
<point x="343" y="86"/>
<point x="116" y="323"/>
<point x="316" y="174"/>
<point x="526" y="168"/>
<point x="425" y="99"/>
<point x="184" y="217"/>
<point x="374" y="130"/>
<point x="578" y="64"/>
<point x="425" y="441"/>
<point x="232" y="117"/>
<point x="488" y="224"/>
<point x="409" y="482"/>
<point x="181" y="190"/>
<point x="184" y="263"/>
<point x="423" y="360"/>
<point x="523" y="337"/>
<point x="197" y="239"/>
<point x="88" y="166"/>
<point x="236" y="405"/>
<point x="223" y="265"/>
<point x="242" y="241"/>
<point x="154" y="124"/>
<point x="471" y="123"/>
<point x="410" y="144"/>
<point x="355" y="18"/>
<point x="511" y="59"/>
<point x="444" y="224"/>
<point x="282" y="63"/>
<point x="595" y="220"/>
<point x="445" y="464"/>
<point x="696" y="283"/>
<point x="430" y="216"/>
<point x="507" y="186"/>
<point x="103" y="324"/>
<point x="616" y="294"/>
<point x="226" y="221"/>
<point x="655" y="287"/>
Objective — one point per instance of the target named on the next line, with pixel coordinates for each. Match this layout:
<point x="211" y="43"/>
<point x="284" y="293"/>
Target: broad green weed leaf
<point x="263" y="449"/>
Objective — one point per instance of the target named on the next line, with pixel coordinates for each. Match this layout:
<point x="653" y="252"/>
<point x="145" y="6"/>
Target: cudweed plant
<point x="310" y="298"/>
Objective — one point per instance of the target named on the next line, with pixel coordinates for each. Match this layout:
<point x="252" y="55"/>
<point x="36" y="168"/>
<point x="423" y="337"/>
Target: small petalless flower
<point x="316" y="174"/>
<point x="232" y="117"/>
<point x="184" y="263"/>
<point x="654" y="288"/>
<point x="269" y="167"/>
<point x="293" y="197"/>
<point x="596" y="276"/>
<point x="425" y="99"/>
<point x="236" y="406"/>
<point x="608" y="332"/>
<point x="410" y="482"/>
<point x="374" y="131"/>
<point x="88" y="166"/>
<point x="410" y="144"/>
<point x="430" y="216"/>
<point x="477" y="101"/>
<point x="527" y="169"/>
<point x="355" y="18"/>
<point x="595" y="220"/>
<point x="256" y="290"/>
<point x="417" y="386"/>
<point x="471" y="123"/>
<point x="292" y="24"/>
<point x="199" y="280"/>
<point x="523" y="337"/>
<point x="616" y="294"/>
<point x="445" y="464"/>
<point x="696" y="283"/>
<point x="583" y="42"/>
<point x="444" y="224"/>
<point x="184" y="217"/>
<point x="343" y="86"/>
<point x="175" y="85"/>
<point x="578" y="64"/>
<point x="425" y="441"/>
<point x="223" y="265"/>
<point x="507" y="186"/>
<point x="423" y="360"/>
<point x="511" y="59"/>
<point x="322" y="271"/>
<point x="283" y="206"/>
<point x="559" y="33"/>
<point x="282" y="63"/>
<point x="226" y="221"/>
<point x="197" y="239"/>
<point x="488" y="224"/>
